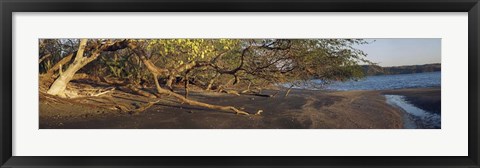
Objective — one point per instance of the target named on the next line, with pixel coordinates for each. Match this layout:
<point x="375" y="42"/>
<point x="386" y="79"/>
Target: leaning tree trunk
<point x="58" y="87"/>
<point x="57" y="66"/>
<point x="182" y="68"/>
<point x="170" y="80"/>
<point x="210" y="83"/>
<point x="186" y="85"/>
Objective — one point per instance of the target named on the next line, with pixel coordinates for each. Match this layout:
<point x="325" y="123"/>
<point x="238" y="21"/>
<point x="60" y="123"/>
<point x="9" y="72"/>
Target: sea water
<point x="386" y="82"/>
<point x="414" y="117"/>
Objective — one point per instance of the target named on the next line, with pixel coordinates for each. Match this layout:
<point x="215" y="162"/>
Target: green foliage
<point x="260" y="62"/>
<point x="53" y="50"/>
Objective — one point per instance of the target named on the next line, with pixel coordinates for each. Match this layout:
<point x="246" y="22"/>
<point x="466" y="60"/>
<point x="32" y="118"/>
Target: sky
<point x="403" y="51"/>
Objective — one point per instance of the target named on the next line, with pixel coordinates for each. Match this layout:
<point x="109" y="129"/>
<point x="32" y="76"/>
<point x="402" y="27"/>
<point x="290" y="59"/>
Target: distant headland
<point x="372" y="70"/>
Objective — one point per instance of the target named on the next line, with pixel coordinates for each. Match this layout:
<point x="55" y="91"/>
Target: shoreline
<point x="429" y="99"/>
<point x="302" y="109"/>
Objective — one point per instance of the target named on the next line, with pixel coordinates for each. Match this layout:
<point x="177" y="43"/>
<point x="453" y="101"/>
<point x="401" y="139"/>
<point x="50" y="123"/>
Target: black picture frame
<point x="7" y="7"/>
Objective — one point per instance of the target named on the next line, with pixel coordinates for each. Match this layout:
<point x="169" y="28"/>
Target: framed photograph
<point x="314" y="83"/>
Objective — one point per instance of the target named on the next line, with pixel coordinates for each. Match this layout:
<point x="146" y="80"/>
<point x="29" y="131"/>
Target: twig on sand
<point x="102" y="93"/>
<point x="259" y="112"/>
<point x="143" y="108"/>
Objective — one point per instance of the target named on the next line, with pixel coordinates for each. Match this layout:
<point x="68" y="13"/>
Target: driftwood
<point x="141" y="92"/>
<point x="102" y="93"/>
<point x="143" y="108"/>
<point x="234" y="92"/>
<point x="288" y="91"/>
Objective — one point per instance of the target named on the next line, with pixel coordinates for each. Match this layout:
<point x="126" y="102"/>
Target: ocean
<point x="386" y="82"/>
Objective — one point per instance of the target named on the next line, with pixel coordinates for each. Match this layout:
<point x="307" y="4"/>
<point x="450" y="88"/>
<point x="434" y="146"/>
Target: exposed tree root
<point x="256" y="93"/>
<point x="102" y="93"/>
<point x="276" y="93"/>
<point x="141" y="92"/>
<point x="196" y="103"/>
<point x="234" y="92"/>
<point x="248" y="88"/>
<point x="125" y="106"/>
<point x="259" y="95"/>
<point x="53" y="98"/>
<point x="143" y="108"/>
<point x="79" y="101"/>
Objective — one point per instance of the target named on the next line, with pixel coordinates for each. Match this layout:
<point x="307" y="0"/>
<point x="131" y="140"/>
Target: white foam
<point x="423" y="118"/>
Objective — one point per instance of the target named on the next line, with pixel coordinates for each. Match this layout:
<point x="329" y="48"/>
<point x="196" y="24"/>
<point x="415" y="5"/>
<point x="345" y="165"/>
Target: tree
<point x="58" y="87"/>
<point x="156" y="71"/>
<point x="235" y="64"/>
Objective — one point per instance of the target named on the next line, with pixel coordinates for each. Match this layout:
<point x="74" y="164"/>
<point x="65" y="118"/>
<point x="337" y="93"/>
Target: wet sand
<point x="302" y="109"/>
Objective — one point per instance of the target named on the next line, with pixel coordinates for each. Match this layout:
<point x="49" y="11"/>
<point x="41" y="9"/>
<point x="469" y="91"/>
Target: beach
<point x="301" y="109"/>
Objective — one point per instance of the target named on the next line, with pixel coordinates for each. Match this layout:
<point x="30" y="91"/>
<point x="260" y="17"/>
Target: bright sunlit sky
<point x="397" y="52"/>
